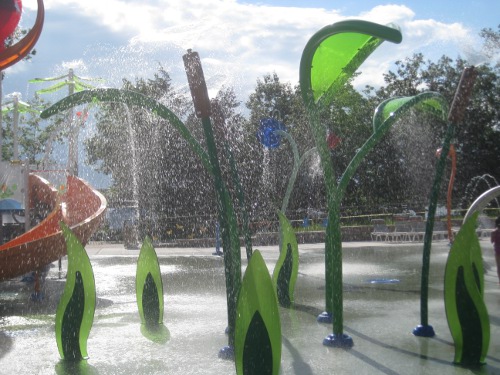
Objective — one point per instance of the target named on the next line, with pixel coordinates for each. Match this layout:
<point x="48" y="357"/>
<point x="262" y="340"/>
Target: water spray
<point x="227" y="218"/>
<point x="455" y="116"/>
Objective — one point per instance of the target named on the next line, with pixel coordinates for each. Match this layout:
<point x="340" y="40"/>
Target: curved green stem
<point x="229" y="232"/>
<point x="227" y="217"/>
<point x="241" y="200"/>
<point x="295" y="169"/>
<point x="426" y="256"/>
<point x="362" y="152"/>
<point x="386" y="114"/>
<point x="130" y="98"/>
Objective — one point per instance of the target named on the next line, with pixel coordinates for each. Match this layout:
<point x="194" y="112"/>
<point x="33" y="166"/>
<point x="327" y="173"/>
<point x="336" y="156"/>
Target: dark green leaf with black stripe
<point x="258" y="327"/>
<point x="466" y="311"/>
<point x="287" y="267"/>
<point x="76" y="308"/>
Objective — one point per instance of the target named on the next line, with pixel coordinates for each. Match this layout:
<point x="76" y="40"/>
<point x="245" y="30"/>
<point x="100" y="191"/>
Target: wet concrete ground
<point x="379" y="317"/>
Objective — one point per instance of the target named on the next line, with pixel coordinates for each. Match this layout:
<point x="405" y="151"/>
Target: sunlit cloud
<point x="238" y="42"/>
<point x="75" y="65"/>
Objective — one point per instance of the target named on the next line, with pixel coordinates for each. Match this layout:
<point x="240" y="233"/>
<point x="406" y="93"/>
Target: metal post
<point x="1" y="116"/>
<point x="73" y="131"/>
<point x="27" y="213"/>
<point x="15" y="124"/>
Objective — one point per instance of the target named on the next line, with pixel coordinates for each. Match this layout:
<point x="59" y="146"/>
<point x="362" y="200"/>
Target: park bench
<point x="380" y="230"/>
<point x="401" y="233"/>
<point x="440" y="231"/>
<point x="486" y="225"/>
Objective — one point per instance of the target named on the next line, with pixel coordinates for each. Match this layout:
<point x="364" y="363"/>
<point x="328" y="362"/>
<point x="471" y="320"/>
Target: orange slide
<point x="81" y="208"/>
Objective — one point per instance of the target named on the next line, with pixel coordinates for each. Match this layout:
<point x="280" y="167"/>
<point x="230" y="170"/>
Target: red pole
<point x="453" y="156"/>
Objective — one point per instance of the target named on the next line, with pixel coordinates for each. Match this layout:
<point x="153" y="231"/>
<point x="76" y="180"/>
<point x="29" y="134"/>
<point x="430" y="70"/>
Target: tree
<point x="172" y="182"/>
<point x="14" y="37"/>
<point x="491" y="47"/>
<point x="142" y="153"/>
<point x="172" y="186"/>
<point x="33" y="134"/>
<point x="277" y="100"/>
<point x="348" y="118"/>
<point x="477" y="138"/>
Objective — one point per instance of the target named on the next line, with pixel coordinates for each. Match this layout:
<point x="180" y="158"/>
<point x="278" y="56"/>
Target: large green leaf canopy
<point x="336" y="51"/>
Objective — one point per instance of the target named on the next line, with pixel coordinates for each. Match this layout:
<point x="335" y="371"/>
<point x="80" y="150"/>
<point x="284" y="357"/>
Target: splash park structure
<point x="270" y="322"/>
<point x="80" y="206"/>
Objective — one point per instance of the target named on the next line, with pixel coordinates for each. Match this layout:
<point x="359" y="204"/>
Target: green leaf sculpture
<point x="258" y="326"/>
<point x="149" y="292"/>
<point x="336" y="51"/>
<point x="227" y="216"/>
<point x="386" y="114"/>
<point x="75" y="312"/>
<point x="464" y="299"/>
<point x="287" y="266"/>
<point x="329" y="59"/>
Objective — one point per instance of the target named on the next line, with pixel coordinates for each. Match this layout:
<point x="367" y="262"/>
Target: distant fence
<point x="171" y="228"/>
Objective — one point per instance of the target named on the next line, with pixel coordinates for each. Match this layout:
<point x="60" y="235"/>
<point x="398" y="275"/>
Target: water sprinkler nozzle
<point x="197" y="85"/>
<point x="462" y="95"/>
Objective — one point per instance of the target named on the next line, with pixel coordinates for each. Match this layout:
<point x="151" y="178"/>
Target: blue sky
<point x="471" y="12"/>
<point x="238" y="41"/>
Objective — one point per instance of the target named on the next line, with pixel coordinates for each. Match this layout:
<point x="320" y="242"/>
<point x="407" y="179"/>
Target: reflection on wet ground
<point x="379" y="316"/>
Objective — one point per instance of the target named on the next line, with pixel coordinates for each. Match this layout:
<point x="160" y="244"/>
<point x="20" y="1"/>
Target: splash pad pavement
<point x="381" y="296"/>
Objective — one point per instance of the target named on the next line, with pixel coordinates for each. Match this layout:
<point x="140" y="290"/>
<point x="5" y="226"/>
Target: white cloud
<point x="388" y="13"/>
<point x="75" y="65"/>
<point x="238" y="42"/>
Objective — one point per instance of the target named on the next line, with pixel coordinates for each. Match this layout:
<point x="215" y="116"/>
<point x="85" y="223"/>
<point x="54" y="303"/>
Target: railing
<point x="171" y="228"/>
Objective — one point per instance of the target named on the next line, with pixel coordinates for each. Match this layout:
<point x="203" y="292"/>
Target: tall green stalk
<point x="329" y="59"/>
<point x="229" y="228"/>
<point x="455" y="116"/>
<point x="229" y="232"/>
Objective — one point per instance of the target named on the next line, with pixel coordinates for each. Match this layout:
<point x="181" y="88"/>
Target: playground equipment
<point x="76" y="308"/>
<point x="258" y="327"/>
<point x="75" y="312"/>
<point x="80" y="207"/>
<point x="149" y="293"/>
<point x="325" y="67"/>
<point x="455" y="116"/>
<point x="227" y="217"/>
<point x="466" y="310"/>
<point x="287" y="267"/>
<point x="9" y="18"/>
<point x="331" y="56"/>
<point x="74" y="84"/>
<point x="13" y="54"/>
<point x="16" y="106"/>
<point x="453" y="156"/>
<point x="482" y="201"/>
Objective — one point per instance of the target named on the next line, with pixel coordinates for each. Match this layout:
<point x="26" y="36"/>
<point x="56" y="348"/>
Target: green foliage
<point x="491" y="43"/>
<point x="477" y="139"/>
<point x="172" y="181"/>
<point x="33" y="133"/>
<point x="15" y="37"/>
<point x="170" y="178"/>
